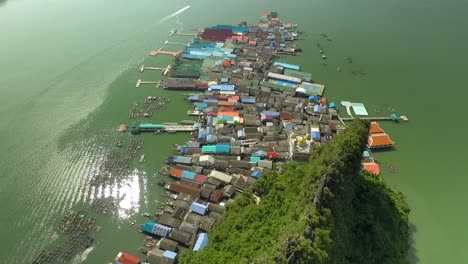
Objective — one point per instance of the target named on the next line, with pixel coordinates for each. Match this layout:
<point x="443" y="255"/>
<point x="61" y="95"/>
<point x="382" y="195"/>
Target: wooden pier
<point x="140" y="82"/>
<point x="375" y="118"/>
<point x="161" y="51"/>
<point x="165" y="70"/>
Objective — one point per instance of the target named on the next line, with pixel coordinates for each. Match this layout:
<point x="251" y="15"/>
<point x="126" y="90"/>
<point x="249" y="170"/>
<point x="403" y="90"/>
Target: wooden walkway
<point x="161" y="51"/>
<point x="374" y="118"/>
<point x="165" y="70"/>
<point x="140" y="82"/>
<point x="179" y="128"/>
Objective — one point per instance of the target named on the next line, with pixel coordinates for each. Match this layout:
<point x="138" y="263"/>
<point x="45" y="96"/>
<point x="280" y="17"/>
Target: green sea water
<point x="67" y="81"/>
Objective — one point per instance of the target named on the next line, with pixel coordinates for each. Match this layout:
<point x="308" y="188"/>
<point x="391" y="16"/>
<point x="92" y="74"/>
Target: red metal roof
<point x="175" y="172"/>
<point x="286" y="116"/>
<point x="126" y="258"/>
<point x="375" y="128"/>
<point x="216" y="196"/>
<point x="372" y="167"/>
<point x="180" y="188"/>
<point x="379" y="140"/>
<point x="190" y="183"/>
<point x="225" y="103"/>
<point x="216" y="34"/>
<point x="200" y="178"/>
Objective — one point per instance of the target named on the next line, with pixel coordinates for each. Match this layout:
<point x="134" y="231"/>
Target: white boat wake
<point x="174" y="14"/>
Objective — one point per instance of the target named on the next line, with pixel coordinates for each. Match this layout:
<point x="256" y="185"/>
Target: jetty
<point x="376" y="118"/>
<point x="137" y="128"/>
<point x="174" y="32"/>
<point x="140" y="82"/>
<point x="165" y="70"/>
<point x="165" y="52"/>
<point x="177" y="43"/>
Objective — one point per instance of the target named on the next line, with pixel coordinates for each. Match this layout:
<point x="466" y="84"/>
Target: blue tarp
<point x="316" y="135"/>
<point x="201" y="243"/>
<point x="199" y="208"/>
<point x="169" y="254"/>
<point x="248" y="100"/>
<point x="333" y="105"/>
<point x="317" y="108"/>
<point x="314" y="98"/>
<point x="224" y="80"/>
<point x="256" y="174"/>
<point x="183" y="150"/>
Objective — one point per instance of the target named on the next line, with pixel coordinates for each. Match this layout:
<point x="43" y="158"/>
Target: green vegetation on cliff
<point x="326" y="211"/>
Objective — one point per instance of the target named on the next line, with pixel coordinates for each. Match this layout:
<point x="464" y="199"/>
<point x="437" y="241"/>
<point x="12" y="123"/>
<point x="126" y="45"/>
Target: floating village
<point x="250" y="112"/>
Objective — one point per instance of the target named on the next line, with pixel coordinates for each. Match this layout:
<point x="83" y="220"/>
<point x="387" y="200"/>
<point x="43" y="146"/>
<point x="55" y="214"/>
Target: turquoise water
<point x="68" y="73"/>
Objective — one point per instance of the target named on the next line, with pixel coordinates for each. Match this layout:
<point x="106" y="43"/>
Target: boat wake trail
<point x="174" y="14"/>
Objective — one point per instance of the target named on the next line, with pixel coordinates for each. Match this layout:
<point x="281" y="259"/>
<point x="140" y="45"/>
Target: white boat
<point x="142" y="158"/>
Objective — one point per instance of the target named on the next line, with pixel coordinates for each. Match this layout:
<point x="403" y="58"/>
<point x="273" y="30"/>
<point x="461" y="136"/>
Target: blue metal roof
<point x="202" y="241"/>
<point x="199" y="208"/>
<point x="222" y="87"/>
<point x="248" y="100"/>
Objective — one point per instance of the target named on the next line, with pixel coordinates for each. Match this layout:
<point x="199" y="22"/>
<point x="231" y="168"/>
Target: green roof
<point x="305" y="76"/>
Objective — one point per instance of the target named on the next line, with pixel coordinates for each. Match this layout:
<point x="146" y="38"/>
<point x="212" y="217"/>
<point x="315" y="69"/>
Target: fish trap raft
<point x="103" y="205"/>
<point x="147" y="108"/>
<point x="116" y="164"/>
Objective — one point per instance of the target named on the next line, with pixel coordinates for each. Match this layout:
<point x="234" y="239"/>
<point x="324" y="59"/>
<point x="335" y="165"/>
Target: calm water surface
<point x="68" y="72"/>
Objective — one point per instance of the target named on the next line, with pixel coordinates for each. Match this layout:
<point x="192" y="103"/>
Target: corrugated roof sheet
<point x="379" y="140"/>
